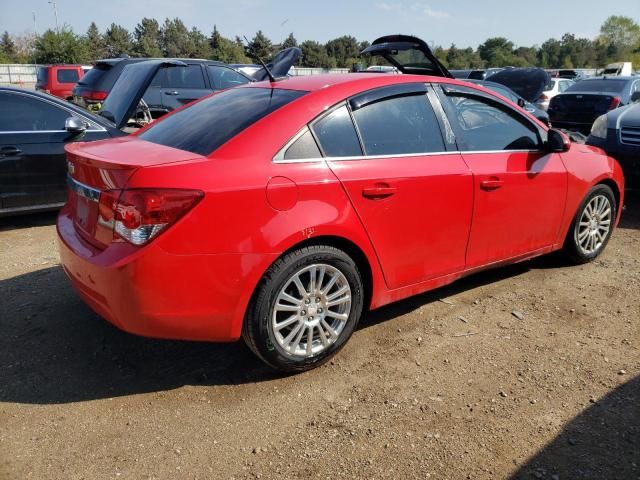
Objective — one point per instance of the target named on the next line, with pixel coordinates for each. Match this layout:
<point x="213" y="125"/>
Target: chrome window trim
<point x="83" y="190"/>
<point x="403" y="155"/>
<point x="97" y="128"/>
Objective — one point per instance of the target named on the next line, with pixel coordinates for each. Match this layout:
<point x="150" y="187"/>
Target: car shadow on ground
<point x="603" y="442"/>
<point x="631" y="214"/>
<point x="27" y="221"/>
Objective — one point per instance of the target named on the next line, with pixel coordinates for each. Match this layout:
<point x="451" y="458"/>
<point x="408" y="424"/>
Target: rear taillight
<point x="615" y="103"/>
<point x="139" y="215"/>
<point x="96" y="95"/>
<point x="543" y="98"/>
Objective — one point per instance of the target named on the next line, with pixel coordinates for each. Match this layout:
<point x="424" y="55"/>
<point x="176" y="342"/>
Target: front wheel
<point x="305" y="309"/>
<point x="592" y="226"/>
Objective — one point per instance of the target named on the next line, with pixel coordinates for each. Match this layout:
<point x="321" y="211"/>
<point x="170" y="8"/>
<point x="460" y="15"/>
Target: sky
<point x="462" y="22"/>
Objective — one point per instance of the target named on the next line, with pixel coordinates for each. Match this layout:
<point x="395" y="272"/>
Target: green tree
<point x="7" y="47"/>
<point x="62" y="47"/>
<point x="117" y="41"/>
<point x="290" y="41"/>
<point x="621" y="32"/>
<point x="176" y="41"/>
<point x="225" y="50"/>
<point x="147" y="38"/>
<point x="345" y="50"/>
<point x="497" y="52"/>
<point x="95" y="43"/>
<point x="199" y="44"/>
<point x="315" y="55"/>
<point x="260" y="47"/>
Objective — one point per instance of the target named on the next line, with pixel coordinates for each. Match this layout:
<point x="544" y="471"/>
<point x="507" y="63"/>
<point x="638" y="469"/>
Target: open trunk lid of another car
<point x="128" y="90"/>
<point x="408" y="54"/>
<point x="529" y="83"/>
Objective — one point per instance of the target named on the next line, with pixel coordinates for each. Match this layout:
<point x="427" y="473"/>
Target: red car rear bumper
<point x="150" y="292"/>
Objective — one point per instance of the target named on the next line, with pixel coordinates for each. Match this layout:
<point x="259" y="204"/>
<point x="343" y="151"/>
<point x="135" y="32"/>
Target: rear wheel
<point x="592" y="226"/>
<point x="305" y="309"/>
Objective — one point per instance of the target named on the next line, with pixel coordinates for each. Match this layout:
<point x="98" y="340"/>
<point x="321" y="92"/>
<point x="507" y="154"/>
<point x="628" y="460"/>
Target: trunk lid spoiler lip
<point x="385" y="46"/>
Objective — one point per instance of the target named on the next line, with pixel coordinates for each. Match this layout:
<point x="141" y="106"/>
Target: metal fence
<point x="20" y="75"/>
<point x="300" y="71"/>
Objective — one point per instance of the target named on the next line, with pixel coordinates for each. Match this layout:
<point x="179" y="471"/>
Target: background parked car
<point x="586" y="100"/>
<point x="618" y="134"/>
<point x="556" y="86"/>
<point x="58" y="80"/>
<point x="515" y="98"/>
<point x="34" y="127"/>
<point x="170" y="89"/>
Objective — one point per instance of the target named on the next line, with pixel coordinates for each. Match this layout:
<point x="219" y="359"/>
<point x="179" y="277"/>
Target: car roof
<point x="310" y="83"/>
<point x="610" y="77"/>
<point x="142" y="59"/>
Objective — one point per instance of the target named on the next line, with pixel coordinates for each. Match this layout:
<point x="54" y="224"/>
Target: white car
<point x="556" y="86"/>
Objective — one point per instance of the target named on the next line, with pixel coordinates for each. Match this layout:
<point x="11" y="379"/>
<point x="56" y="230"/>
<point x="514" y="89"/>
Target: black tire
<point x="572" y="249"/>
<point x="258" y="331"/>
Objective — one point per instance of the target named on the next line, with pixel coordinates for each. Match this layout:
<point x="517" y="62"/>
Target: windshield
<point x="207" y="124"/>
<point x="604" y="86"/>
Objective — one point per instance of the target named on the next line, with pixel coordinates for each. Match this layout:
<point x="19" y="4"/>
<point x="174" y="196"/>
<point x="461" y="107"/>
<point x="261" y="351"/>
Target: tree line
<point x="619" y="40"/>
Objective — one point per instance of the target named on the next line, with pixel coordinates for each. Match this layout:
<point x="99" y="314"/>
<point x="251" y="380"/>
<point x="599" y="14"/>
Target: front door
<point x="413" y="196"/>
<point x="519" y="188"/>
<point x="183" y="85"/>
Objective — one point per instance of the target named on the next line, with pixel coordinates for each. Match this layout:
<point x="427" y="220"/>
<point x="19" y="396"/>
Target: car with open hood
<point x="280" y="211"/>
<point x="35" y="127"/>
<point x="618" y="134"/>
<point x="584" y="101"/>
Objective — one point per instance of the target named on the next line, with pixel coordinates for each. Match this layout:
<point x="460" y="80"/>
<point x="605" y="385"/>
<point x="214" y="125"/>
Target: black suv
<point x="171" y="87"/>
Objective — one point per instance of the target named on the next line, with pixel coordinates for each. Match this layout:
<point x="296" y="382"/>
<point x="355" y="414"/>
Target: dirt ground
<point x="447" y="385"/>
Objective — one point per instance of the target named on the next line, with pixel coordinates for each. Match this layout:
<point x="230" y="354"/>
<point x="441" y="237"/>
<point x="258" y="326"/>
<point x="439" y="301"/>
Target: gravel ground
<point x="528" y="371"/>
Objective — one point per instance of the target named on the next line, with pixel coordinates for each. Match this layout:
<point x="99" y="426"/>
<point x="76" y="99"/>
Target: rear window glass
<point x="188" y="77"/>
<point x="67" y="76"/>
<point x="204" y="126"/>
<point x="94" y="77"/>
<point x="42" y="75"/>
<point x="606" y="86"/>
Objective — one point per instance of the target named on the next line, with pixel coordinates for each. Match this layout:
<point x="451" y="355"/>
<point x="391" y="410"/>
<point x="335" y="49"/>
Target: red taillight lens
<point x="615" y="103"/>
<point x="138" y="215"/>
<point x="543" y="98"/>
<point x="96" y="95"/>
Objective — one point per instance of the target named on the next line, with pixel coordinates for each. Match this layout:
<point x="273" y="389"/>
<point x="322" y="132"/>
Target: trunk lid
<point x="408" y="54"/>
<point x="103" y="166"/>
<point x="280" y="65"/>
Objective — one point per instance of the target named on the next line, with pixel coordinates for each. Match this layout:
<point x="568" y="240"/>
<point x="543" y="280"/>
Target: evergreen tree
<point x="147" y="38"/>
<point x="290" y="41"/>
<point x="60" y="47"/>
<point x="95" y="43"/>
<point x="260" y="47"/>
<point x="8" y="47"/>
<point x="117" y="41"/>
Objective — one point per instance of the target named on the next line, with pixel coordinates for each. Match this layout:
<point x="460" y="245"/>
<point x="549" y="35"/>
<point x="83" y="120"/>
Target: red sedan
<point x="282" y="210"/>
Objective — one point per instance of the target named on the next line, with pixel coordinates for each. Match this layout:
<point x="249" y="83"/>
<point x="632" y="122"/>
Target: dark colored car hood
<point x="529" y="83"/>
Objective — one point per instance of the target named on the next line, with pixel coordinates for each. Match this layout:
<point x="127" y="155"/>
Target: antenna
<point x="272" y="79"/>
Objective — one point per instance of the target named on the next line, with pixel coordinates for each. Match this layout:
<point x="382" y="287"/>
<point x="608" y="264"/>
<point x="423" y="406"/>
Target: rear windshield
<point x="96" y="76"/>
<point x="605" y="86"/>
<point x="42" y="75"/>
<point x="204" y="126"/>
<point x="67" y="76"/>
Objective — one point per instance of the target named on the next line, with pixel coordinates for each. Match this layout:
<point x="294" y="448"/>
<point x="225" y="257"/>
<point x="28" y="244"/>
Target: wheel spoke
<point x="339" y="301"/>
<point x="323" y="335"/>
<point x="312" y="280"/>
<point x="299" y="286"/>
<point x="339" y="316"/>
<point x="337" y="293"/>
<point x="288" y="298"/>
<point x="582" y="235"/>
<point x="281" y="307"/>
<point x="287" y="322"/>
<point x="332" y="333"/>
<point x="294" y="331"/>
<point x="309" y="340"/>
<point x="296" y="342"/>
<point x="323" y="269"/>
<point x="331" y="283"/>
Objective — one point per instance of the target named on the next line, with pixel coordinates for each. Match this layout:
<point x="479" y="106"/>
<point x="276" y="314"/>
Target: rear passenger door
<point x="183" y="85"/>
<point x="413" y="195"/>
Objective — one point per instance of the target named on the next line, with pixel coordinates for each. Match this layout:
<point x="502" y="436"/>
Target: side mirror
<point x="75" y="125"/>
<point x="521" y="102"/>
<point x="635" y="97"/>
<point x="557" y="142"/>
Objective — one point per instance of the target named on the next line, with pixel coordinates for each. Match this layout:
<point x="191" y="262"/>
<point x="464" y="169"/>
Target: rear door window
<point x="337" y="135"/>
<point x="187" y="77"/>
<point x="209" y="123"/>
<point x="24" y="113"/>
<point x="304" y="148"/>
<point x="67" y="75"/>
<point x="399" y="125"/>
<point x="223" y="78"/>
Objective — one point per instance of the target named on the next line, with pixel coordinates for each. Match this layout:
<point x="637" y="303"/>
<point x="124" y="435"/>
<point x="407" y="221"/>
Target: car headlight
<point x="599" y="127"/>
